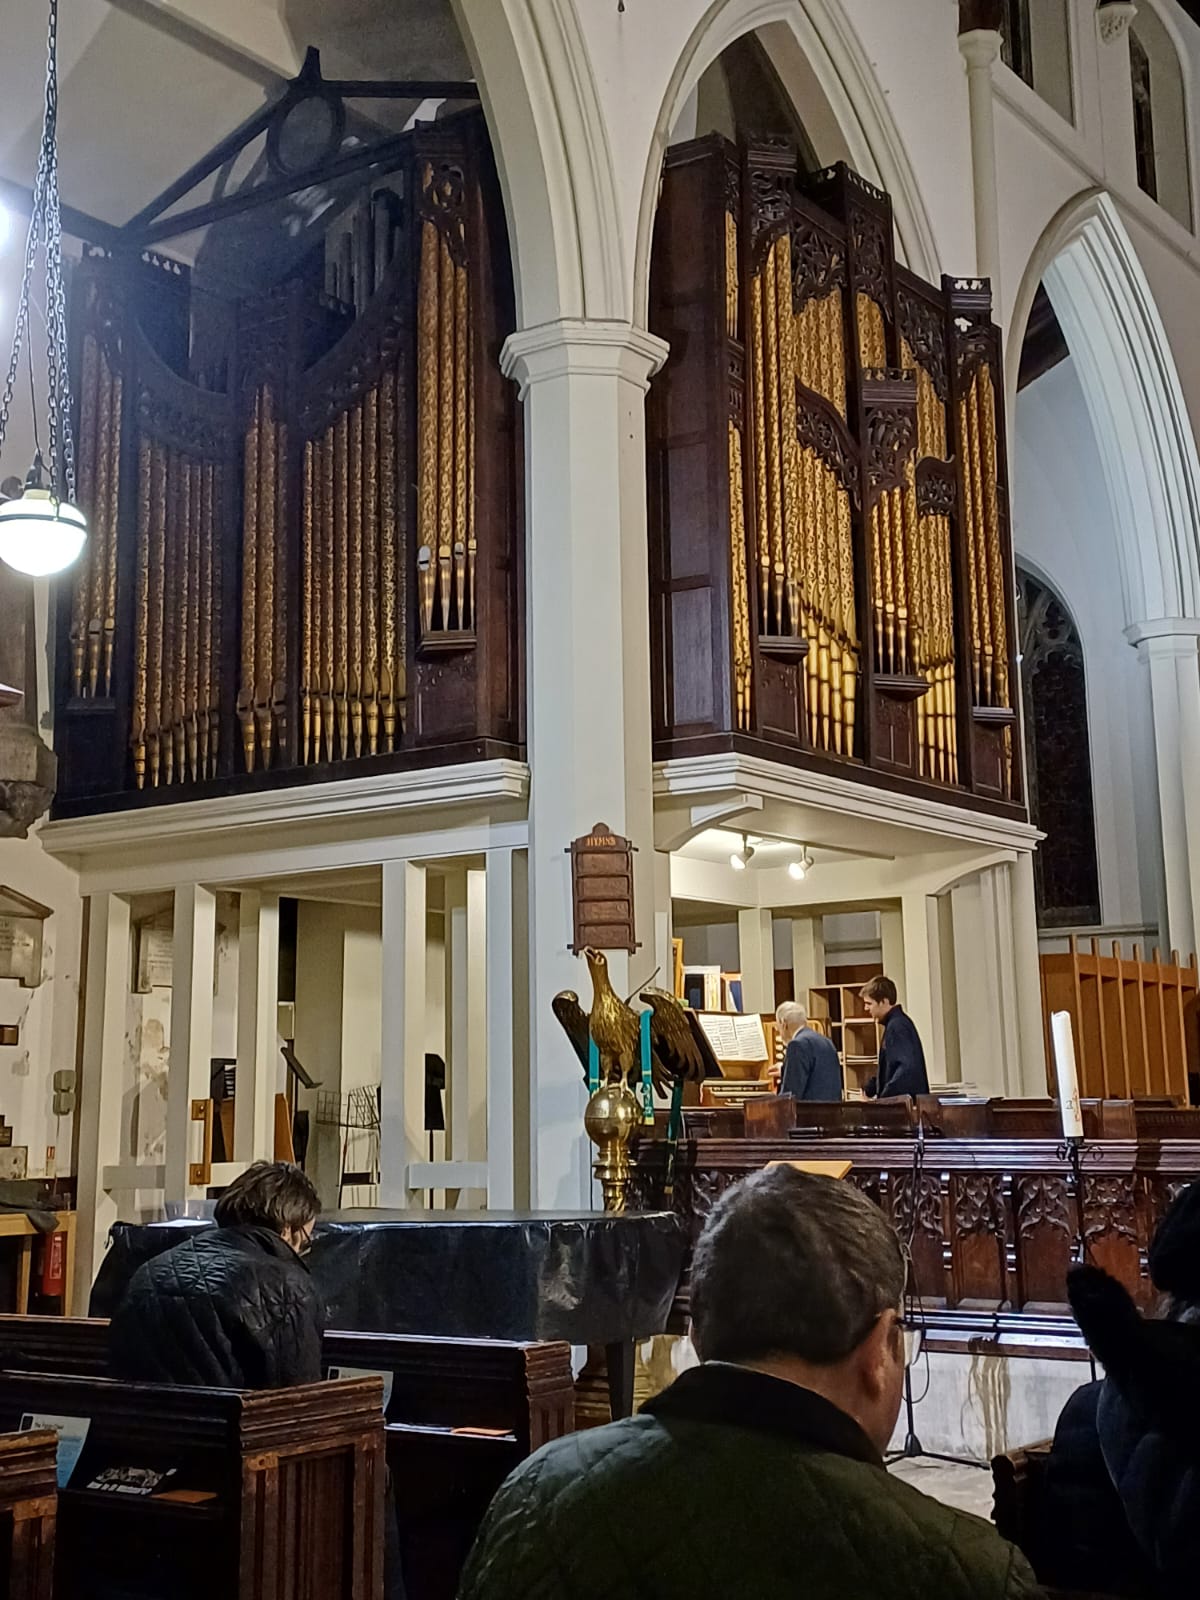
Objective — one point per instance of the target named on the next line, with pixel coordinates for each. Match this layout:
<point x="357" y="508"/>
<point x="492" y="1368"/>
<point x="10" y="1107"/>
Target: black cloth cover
<point x="584" y="1277"/>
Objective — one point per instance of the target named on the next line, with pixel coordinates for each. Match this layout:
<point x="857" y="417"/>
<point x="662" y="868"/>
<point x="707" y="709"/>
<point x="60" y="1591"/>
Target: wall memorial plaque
<point x="602" y="891"/>
<point x="21" y="922"/>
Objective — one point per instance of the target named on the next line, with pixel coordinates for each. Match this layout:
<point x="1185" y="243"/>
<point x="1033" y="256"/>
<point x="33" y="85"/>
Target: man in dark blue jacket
<point x="901" y="1058"/>
<point x="811" y="1068"/>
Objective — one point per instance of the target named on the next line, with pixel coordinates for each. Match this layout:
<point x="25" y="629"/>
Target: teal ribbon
<point x="593" y="1065"/>
<point x="647" y="1080"/>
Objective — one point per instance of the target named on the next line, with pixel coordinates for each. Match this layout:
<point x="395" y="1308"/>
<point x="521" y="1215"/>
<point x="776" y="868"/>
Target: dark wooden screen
<point x="308" y="562"/>
<point x="830" y="554"/>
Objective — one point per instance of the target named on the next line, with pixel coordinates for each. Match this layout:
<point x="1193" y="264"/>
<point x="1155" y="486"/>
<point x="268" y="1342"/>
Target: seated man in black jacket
<point x="234" y="1306"/>
<point x="901" y="1056"/>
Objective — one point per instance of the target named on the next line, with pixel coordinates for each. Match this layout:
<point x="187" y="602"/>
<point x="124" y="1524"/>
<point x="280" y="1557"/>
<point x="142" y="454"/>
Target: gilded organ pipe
<point x="250" y="568"/>
<point x="372" y="587"/>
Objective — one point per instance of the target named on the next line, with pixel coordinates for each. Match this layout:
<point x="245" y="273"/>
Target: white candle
<point x="1068" y="1075"/>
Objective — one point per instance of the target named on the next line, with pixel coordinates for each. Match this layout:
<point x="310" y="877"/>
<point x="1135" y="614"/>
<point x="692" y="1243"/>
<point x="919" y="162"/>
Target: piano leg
<point x="622" y="1360"/>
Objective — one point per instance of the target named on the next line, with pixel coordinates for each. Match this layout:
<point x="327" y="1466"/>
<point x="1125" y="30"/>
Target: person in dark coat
<point x="811" y="1067"/>
<point x="901" y="1055"/>
<point x="796" y="1291"/>
<point x="234" y="1306"/>
<point x="1121" y="1500"/>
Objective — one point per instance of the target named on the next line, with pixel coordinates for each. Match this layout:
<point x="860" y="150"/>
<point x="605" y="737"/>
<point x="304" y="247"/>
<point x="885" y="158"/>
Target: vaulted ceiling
<point x="147" y="87"/>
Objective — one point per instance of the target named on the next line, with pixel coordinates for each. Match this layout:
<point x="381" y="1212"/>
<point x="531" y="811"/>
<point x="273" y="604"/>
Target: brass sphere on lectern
<point x="611" y="1118"/>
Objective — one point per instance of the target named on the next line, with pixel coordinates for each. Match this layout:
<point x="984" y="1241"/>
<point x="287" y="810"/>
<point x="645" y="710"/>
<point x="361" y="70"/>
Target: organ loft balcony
<point x="298" y="458"/>
<point x="830" y="557"/>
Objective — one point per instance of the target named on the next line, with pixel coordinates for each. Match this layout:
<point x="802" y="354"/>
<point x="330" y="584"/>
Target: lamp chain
<point x="45" y="227"/>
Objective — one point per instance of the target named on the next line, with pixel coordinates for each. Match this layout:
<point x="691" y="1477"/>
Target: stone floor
<point x="967" y="1488"/>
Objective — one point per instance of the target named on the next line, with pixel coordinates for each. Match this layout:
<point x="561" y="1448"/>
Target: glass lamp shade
<point x="39" y="535"/>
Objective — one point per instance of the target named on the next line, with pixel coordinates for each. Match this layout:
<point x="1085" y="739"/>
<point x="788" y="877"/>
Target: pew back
<point x="461" y="1414"/>
<point x="198" y="1492"/>
<point x="27" y="1514"/>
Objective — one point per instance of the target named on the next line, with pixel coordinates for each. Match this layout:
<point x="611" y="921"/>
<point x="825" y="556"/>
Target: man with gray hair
<point x="760" y="1472"/>
<point x="811" y="1068"/>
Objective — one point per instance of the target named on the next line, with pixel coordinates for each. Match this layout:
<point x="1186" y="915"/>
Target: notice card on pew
<point x="735" y="1036"/>
<point x="71" y="1431"/>
<point x="367" y="1372"/>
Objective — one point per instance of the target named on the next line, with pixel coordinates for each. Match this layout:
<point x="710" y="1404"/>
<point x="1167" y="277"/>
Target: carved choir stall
<point x="304" y="539"/>
<point x="981" y="1191"/>
<point x="831" y="569"/>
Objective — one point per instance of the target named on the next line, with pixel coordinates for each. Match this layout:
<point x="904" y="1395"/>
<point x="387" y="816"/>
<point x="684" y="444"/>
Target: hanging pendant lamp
<point x="42" y="531"/>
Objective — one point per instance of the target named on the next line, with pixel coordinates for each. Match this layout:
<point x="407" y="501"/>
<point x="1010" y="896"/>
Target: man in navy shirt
<point x="901" y="1057"/>
<point x="811" y="1069"/>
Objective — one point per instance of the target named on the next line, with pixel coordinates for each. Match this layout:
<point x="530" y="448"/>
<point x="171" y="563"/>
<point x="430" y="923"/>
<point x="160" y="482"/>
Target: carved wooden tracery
<point x="310" y="560"/>
<point x="849" y="597"/>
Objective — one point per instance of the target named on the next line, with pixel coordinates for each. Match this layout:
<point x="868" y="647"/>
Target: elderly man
<point x="811" y="1068"/>
<point x="759" y="1473"/>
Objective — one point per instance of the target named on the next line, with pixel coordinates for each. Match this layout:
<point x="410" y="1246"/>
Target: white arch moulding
<point x="1115" y="334"/>
<point x="843" y="71"/>
<point x="553" y="156"/>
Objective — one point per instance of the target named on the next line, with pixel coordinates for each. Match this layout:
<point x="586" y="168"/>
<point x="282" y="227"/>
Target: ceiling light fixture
<point x="41" y="530"/>
<point x="801" y="866"/>
<point x="741" y="859"/>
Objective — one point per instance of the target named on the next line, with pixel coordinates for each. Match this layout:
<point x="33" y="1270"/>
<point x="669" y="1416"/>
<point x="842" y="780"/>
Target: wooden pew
<point x="28" y="1490"/>
<point x="275" y="1495"/>
<point x="1018" y="1478"/>
<point x="461" y="1414"/>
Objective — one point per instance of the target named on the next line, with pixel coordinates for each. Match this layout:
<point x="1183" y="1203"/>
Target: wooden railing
<point x="1135" y="1021"/>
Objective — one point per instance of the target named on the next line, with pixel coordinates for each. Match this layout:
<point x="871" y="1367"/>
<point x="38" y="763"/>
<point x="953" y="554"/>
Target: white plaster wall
<point x="1063" y="530"/>
<point x="46" y="1016"/>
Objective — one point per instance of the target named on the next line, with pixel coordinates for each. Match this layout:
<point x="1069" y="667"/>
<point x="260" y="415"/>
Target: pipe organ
<point x="830" y="553"/>
<point x="312" y="563"/>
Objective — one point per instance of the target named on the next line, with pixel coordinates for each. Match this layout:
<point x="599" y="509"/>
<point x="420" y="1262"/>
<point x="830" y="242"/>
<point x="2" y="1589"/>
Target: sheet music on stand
<point x="735" y="1036"/>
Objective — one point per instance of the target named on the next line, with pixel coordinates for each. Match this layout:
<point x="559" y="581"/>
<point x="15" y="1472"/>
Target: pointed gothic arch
<point x="830" y="55"/>
<point x="1135" y="402"/>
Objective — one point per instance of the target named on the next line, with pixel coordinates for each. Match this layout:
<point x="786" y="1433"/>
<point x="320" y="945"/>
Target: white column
<point x="588" y="670"/>
<point x="257" y="1027"/>
<point x="1171" y="657"/>
<point x="980" y="49"/>
<point x="193" y="947"/>
<point x="756" y="954"/>
<point x="891" y="932"/>
<point x="458" y="1042"/>
<point x="402" y="1040"/>
<point x="664" y="923"/>
<point x="101" y="1081"/>
<point x="1028" y="978"/>
<point x="476" y="1014"/>
<point x="921" y="991"/>
<point x="1000" y="944"/>
<point x="504" y="920"/>
<point x="808" y="955"/>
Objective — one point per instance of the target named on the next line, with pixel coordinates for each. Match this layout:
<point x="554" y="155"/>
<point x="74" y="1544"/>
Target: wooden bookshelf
<point x="838" y="1011"/>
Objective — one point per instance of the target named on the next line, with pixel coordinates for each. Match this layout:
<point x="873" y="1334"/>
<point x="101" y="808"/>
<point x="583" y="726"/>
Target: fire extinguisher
<point x="51" y="1272"/>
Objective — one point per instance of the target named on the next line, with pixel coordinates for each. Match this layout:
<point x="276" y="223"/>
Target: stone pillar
<point x="583" y="385"/>
<point x="979" y="43"/>
<point x="891" y="935"/>
<point x="193" y="952"/>
<point x="101" y="1081"/>
<point x="1169" y="650"/>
